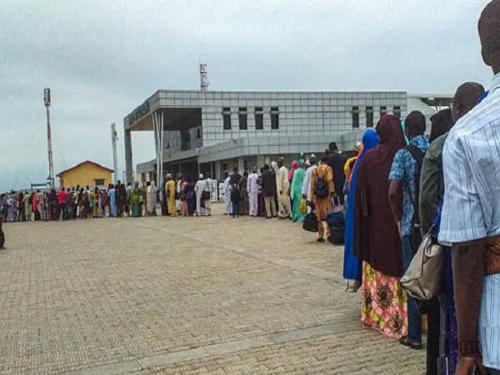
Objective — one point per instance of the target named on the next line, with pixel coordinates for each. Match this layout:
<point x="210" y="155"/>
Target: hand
<point x="304" y="196"/>
<point x="466" y="364"/>
<point x="398" y="223"/>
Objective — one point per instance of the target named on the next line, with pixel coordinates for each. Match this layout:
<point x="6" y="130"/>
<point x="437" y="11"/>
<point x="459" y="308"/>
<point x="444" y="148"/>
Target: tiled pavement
<point x="182" y="296"/>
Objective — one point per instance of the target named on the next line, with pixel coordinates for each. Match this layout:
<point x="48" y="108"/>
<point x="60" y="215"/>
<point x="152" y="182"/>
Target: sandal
<point x="412" y="345"/>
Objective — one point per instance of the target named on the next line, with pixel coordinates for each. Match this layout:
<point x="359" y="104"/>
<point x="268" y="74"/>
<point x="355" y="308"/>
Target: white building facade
<point x="214" y="131"/>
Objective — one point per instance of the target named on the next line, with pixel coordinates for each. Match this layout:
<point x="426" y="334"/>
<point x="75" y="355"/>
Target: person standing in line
<point x="405" y="178"/>
<point x="170" y="195"/>
<point x="235" y="199"/>
<point x="207" y="196"/>
<point x="199" y="188"/>
<point x="127" y="199"/>
<point x="376" y="238"/>
<point x="27" y="206"/>
<point x="2" y="234"/>
<point x="352" y="265"/>
<point x="112" y="200"/>
<point x="253" y="192"/>
<point x="151" y="198"/>
<point x="322" y="192"/>
<point x="41" y="205"/>
<point x="283" y="190"/>
<point x="61" y="200"/>
<point x="244" y="195"/>
<point x="268" y="190"/>
<point x="261" y="206"/>
<point x="306" y="186"/>
<point x="296" y="191"/>
<point x="336" y="161"/>
<point x="227" y="196"/>
<point x="431" y="195"/>
<point x="470" y="220"/>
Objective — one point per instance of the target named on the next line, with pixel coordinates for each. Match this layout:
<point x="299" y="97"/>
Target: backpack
<point x="321" y="190"/>
<point x="415" y="234"/>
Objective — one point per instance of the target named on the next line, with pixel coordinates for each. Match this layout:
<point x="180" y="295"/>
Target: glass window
<point x="383" y="111"/>
<point x="369" y="116"/>
<point x="243" y="118"/>
<point x="226" y="116"/>
<point x="259" y="118"/>
<point x="355" y="117"/>
<point x="397" y="111"/>
<point x="275" y="118"/>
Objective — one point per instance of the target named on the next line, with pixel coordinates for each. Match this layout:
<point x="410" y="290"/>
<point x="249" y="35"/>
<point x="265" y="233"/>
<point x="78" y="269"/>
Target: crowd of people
<point x="393" y="189"/>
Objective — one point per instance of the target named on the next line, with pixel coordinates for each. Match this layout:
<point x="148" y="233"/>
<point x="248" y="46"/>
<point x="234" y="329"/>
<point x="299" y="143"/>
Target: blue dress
<point x="352" y="265"/>
<point x="112" y="202"/>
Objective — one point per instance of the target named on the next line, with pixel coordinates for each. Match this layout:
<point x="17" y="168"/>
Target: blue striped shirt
<point x="471" y="209"/>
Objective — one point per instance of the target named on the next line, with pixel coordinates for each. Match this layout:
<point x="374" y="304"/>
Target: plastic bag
<point x="303" y="207"/>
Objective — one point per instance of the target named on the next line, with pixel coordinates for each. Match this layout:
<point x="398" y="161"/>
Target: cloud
<point x="103" y="58"/>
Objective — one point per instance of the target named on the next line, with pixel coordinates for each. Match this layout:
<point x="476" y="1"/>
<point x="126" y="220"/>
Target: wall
<point x="85" y="175"/>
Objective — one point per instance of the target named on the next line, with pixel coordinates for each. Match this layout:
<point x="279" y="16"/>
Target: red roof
<point x="82" y="163"/>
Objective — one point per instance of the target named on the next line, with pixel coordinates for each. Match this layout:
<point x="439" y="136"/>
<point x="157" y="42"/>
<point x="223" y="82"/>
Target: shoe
<point x="320" y="240"/>
<point x="412" y="345"/>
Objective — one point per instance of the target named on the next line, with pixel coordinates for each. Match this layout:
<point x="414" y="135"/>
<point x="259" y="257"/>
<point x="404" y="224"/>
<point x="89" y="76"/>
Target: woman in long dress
<point x="151" y="198"/>
<point x="352" y="265"/>
<point x="376" y="240"/>
<point x="296" y="191"/>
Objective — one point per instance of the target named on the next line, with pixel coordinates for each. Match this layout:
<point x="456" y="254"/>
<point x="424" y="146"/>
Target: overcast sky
<point x="103" y="58"/>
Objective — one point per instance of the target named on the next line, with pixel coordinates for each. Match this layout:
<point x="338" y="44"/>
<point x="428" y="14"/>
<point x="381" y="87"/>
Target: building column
<point x="217" y="171"/>
<point x="128" y="156"/>
<point x="159" y="141"/>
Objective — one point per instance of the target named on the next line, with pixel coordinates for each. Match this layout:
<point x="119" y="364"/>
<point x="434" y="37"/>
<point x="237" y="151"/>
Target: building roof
<point x="82" y="163"/>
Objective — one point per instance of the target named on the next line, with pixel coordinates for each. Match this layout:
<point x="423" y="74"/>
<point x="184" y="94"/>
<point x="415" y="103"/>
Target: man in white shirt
<point x="471" y="213"/>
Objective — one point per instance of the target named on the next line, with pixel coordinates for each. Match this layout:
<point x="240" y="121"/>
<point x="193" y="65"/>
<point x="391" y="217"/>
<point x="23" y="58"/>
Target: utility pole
<point x="46" y="100"/>
<point x="114" y="138"/>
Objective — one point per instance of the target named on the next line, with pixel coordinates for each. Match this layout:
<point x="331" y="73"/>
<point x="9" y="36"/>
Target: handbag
<point x="422" y="279"/>
<point x="310" y="224"/>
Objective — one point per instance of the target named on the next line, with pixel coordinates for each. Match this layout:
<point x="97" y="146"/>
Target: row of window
<point x="243" y="119"/>
<point x="369" y="114"/>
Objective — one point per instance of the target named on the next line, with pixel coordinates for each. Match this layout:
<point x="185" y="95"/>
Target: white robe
<point x="199" y="187"/>
<point x="253" y="194"/>
<point x="228" y="207"/>
<point x="306" y="187"/>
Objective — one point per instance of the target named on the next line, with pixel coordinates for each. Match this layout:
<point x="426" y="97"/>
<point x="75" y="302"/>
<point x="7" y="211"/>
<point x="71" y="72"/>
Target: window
<point x="397" y="111"/>
<point x="259" y="118"/>
<point x="275" y="118"/>
<point x="369" y="116"/>
<point x="243" y="118"/>
<point x="226" y="116"/>
<point x="355" y="117"/>
<point x="99" y="182"/>
<point x="383" y="111"/>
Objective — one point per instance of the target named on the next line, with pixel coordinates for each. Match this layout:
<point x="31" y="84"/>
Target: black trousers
<point x="433" y="311"/>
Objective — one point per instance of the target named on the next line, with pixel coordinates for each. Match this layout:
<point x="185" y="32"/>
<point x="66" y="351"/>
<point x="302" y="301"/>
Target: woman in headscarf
<point x="376" y="237"/>
<point x="352" y="265"/>
<point x="136" y="199"/>
<point x="152" y="195"/>
<point x="296" y="190"/>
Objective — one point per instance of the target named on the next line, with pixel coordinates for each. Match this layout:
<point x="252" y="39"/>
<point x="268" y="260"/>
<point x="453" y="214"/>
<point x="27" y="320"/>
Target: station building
<point x="214" y="131"/>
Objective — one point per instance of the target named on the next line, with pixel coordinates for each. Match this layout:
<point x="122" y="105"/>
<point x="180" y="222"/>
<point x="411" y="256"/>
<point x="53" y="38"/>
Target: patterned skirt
<point x="383" y="303"/>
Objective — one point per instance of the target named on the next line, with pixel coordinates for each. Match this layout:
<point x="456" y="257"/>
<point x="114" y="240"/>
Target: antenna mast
<point x="47" y="102"/>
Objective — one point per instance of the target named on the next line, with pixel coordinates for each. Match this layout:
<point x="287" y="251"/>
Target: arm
<point x="329" y="179"/>
<point x="468" y="276"/>
<point x="394" y="201"/>
<point x="305" y="184"/>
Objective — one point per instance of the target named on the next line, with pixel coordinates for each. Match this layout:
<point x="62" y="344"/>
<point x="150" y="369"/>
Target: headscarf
<point x="295" y="166"/>
<point x="376" y="237"/>
<point x="352" y="265"/>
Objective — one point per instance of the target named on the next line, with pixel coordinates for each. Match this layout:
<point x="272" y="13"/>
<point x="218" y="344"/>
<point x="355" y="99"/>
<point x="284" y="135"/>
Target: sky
<point x="101" y="59"/>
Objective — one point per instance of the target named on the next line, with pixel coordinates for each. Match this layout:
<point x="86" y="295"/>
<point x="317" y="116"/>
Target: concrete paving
<point x="211" y="295"/>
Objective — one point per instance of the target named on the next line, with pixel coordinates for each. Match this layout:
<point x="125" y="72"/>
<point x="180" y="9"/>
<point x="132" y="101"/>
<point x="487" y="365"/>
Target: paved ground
<point x="182" y="296"/>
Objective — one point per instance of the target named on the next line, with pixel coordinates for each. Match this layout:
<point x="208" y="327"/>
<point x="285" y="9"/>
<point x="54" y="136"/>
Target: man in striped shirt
<point x="471" y="213"/>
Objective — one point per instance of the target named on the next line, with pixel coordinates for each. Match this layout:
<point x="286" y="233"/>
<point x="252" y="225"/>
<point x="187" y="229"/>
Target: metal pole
<point x="114" y="138"/>
<point x="47" y="101"/>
